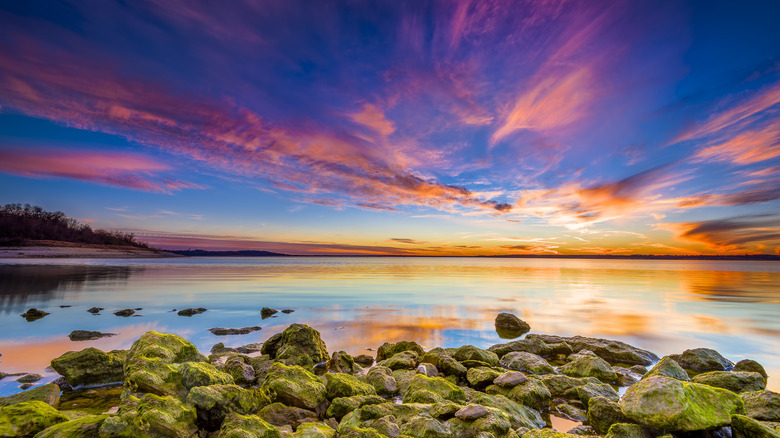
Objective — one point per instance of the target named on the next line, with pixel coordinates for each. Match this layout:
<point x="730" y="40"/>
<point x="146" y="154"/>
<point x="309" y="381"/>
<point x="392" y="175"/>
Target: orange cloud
<point x="748" y="147"/>
<point x="372" y="118"/>
<point x="737" y="234"/>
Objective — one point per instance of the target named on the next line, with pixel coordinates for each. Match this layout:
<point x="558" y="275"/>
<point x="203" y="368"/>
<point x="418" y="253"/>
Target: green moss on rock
<point x="527" y="362"/>
<point x="203" y="374"/>
<point x="151" y="416"/>
<point x="49" y="394"/>
<point x="215" y="402"/>
<point x="89" y="367"/>
<point x="735" y="381"/>
<point x="603" y="413"/>
<point x="295" y="386"/>
<point x="388" y="350"/>
<point x="28" y="418"/>
<point x="346" y="385"/>
<point x="470" y="352"/>
<point x="481" y="377"/>
<point x="247" y="426"/>
<point x="82" y="427"/>
<point x="381" y="378"/>
<point x="629" y="430"/>
<point x="746" y="427"/>
<point x="667" y="367"/>
<point x="590" y="366"/>
<point x="762" y="405"/>
<point x="341" y="406"/>
<point x="314" y="430"/>
<point x="518" y="414"/>
<point x="421" y="385"/>
<point x="404" y="360"/>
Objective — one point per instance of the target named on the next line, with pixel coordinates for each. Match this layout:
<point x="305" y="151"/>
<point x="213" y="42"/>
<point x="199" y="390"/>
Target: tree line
<point x="20" y="223"/>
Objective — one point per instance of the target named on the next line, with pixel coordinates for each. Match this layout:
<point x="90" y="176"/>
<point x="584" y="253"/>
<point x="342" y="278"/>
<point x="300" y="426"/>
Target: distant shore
<point x="52" y="249"/>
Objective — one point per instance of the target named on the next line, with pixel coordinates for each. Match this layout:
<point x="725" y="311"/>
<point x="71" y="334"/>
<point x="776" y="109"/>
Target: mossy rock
<point x="359" y="422"/>
<point x="82" y="427"/>
<point x="49" y="394"/>
<point x="614" y="352"/>
<point x="762" y="405"/>
<point x="433" y="356"/>
<point x="154" y="376"/>
<point x="295" y="386"/>
<point x="735" y="381"/>
<point x="388" y="350"/>
<point x="494" y="423"/>
<point x="451" y="367"/>
<point x="28" y="418"/>
<point x="165" y="346"/>
<point x="247" y="426"/>
<point x="425" y="426"/>
<point x="89" y="367"/>
<point x="281" y="415"/>
<point x="629" y="430"/>
<point x="702" y="359"/>
<point x="242" y="372"/>
<point x="527" y="362"/>
<point x="669" y="404"/>
<point x="596" y="389"/>
<point x="444" y="411"/>
<point x="750" y="365"/>
<point x="481" y="377"/>
<point x="151" y="416"/>
<point x="746" y="427"/>
<point x="470" y="352"/>
<point x="298" y="344"/>
<point x="404" y="360"/>
<point x="518" y="414"/>
<point x="381" y="378"/>
<point x="590" y="366"/>
<point x="421" y="386"/>
<point x="314" y="430"/>
<point x="570" y="412"/>
<point x="215" y="402"/>
<point x="547" y="433"/>
<point x="667" y="367"/>
<point x="341" y="406"/>
<point x="203" y="374"/>
<point x="563" y="386"/>
<point x="511" y="325"/>
<point x="346" y="385"/>
<point x="603" y="413"/>
<point x="533" y="392"/>
<point x="403" y="378"/>
<point x="342" y="362"/>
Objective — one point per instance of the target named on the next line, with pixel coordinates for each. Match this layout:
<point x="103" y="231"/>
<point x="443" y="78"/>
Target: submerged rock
<point x="29" y="378"/>
<point x="267" y="312"/>
<point x="88" y="335"/>
<point x="509" y="326"/>
<point x="610" y="350"/>
<point x="32" y="314"/>
<point x="735" y="381"/>
<point x="124" y="312"/>
<point x="191" y="311"/>
<point x="219" y="331"/>
<point x="95" y="310"/>
<point x="90" y="367"/>
<point x="702" y="359"/>
<point x="49" y="394"/>
<point x="28" y="418"/>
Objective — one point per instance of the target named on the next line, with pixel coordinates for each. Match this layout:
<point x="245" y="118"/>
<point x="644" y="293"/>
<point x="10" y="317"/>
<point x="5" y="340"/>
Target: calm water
<point x="359" y="303"/>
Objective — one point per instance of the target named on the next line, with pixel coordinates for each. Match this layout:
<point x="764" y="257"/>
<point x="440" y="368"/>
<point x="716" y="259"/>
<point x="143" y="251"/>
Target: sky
<point x="399" y="127"/>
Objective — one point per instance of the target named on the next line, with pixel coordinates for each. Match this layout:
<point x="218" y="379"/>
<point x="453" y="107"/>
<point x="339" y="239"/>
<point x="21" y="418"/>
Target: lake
<point x="357" y="303"/>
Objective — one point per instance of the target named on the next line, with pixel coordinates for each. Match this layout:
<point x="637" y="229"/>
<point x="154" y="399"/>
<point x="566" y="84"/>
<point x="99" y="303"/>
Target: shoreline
<point x="81" y="251"/>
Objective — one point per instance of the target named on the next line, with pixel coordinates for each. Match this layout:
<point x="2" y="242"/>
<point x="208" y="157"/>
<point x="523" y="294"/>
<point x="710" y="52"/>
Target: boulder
<point x="596" y="388"/>
<point x="427" y="369"/>
<point x="509" y="326"/>
<point x="202" y="374"/>
<point x="528" y="362"/>
<point x="364" y="359"/>
<point x="470" y="352"/>
<point x="403" y="378"/>
<point x="582" y="430"/>
<point x="667" y="367"/>
<point x="761" y="405"/>
<point x="629" y="430"/>
<point x="603" y="413"/>
<point x="191" y="311"/>
<point x="49" y="394"/>
<point x="341" y="362"/>
<point x="481" y="377"/>
<point x="28" y="418"/>
<point x="90" y="367"/>
<point x="569" y="412"/>
<point x="81" y="427"/>
<point x="563" y="386"/>
<point x="532" y="345"/>
<point x="750" y="365"/>
<point x="425" y="426"/>
<point x="314" y="430"/>
<point x="241" y="372"/>
<point x="341" y="406"/>
<point x="168" y="347"/>
<point x="346" y="385"/>
<point x="518" y="414"/>
<point x="735" y="381"/>
<point x="746" y="427"/>
<point x="702" y="359"/>
<point x="381" y="378"/>
<point x="510" y="379"/>
<point x="610" y="350"/>
<point x="471" y="412"/>
<point x="494" y="424"/>
<point x="625" y="376"/>
<point x="451" y="367"/>
<point x="669" y="404"/>
<point x="215" y="402"/>
<point x="87" y="335"/>
<point x="404" y="360"/>
<point x="267" y="312"/>
<point x="124" y="312"/>
<point x="281" y="415"/>
<point x="547" y="433"/>
<point x="151" y="416"/>
<point x="94" y="310"/>
<point x="295" y="386"/>
<point x="247" y="426"/>
<point x="589" y="366"/>
<point x="424" y="389"/>
<point x="388" y="350"/>
<point x="298" y="344"/>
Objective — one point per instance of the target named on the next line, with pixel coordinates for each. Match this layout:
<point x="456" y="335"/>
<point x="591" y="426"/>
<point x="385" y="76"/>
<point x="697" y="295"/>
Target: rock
<point x="381" y="378"/>
<point x="32" y="314"/>
<point x="388" y="350"/>
<point x="153" y="364"/>
<point x="267" y="312"/>
<point x="735" y="381"/>
<point x="532" y="393"/>
<point x="241" y="372"/>
<point x="405" y="360"/>
<point x="582" y="430"/>
<point x="761" y="405"/>
<point x="403" y="378"/>
<point x="570" y="412"/>
<point x="247" y="426"/>
<point x="667" y="367"/>
<point x="90" y="367"/>
<point x="215" y="402"/>
<point x="528" y="362"/>
<point x="341" y="362"/>
<point x="341" y="406"/>
<point x="124" y="312"/>
<point x="28" y="418"/>
<point x="509" y="326"/>
<point x="280" y="415"/>
<point x="346" y="385"/>
<point x="470" y="352"/>
<point x="49" y="394"/>
<point x="428" y="370"/>
<point x="746" y="427"/>
<point x="88" y="335"/>
<point x="669" y="404"/>
<point x="519" y="415"/>
<point x="481" y="377"/>
<point x="596" y="388"/>
<point x="357" y="422"/>
<point x="603" y="413"/>
<point x="314" y="430"/>
<point x="81" y="427"/>
<point x="563" y="386"/>
<point x="589" y="366"/>
<point x="510" y="379"/>
<point x="203" y="374"/>
<point x="220" y="331"/>
<point x="151" y="416"/>
<point x="425" y="426"/>
<point x="610" y="350"/>
<point x="547" y="433"/>
<point x="298" y="344"/>
<point x="750" y="365"/>
<point x="29" y="378"/>
<point x="626" y="430"/>
<point x="295" y="386"/>
<point x="494" y="424"/>
<point x="639" y="369"/>
<point x="533" y="345"/>
<point x="364" y="359"/>
<point x="451" y="367"/>
<point x="95" y="310"/>
<point x="191" y="311"/>
<point x="287" y="311"/>
<point x="471" y="412"/>
<point x="433" y="390"/>
<point x="444" y="411"/>
<point x="702" y="359"/>
<point x="626" y="377"/>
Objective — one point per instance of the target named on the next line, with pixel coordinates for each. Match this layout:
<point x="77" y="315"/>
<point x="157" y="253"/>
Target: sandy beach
<point x="52" y="249"/>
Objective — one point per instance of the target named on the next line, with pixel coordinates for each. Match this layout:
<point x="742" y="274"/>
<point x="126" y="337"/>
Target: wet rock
<point x="82" y="427"/>
<point x="639" y="369"/>
<point x="750" y="365"/>
<point x="220" y="331"/>
<point x="519" y="414"/>
<point x="425" y="426"/>
<point x="247" y="426"/>
<point x="364" y="359"/>
<point x="570" y="412"/>
<point x="433" y="390"/>
<point x="761" y="405"/>
<point x="596" y="388"/>
<point x="49" y="394"/>
<point x="388" y="350"/>
<point x="590" y="366"/>
<point x="29" y="378"/>
<point x="610" y="350"/>
<point x="241" y="372"/>
<point x="287" y="311"/>
<point x="626" y="377"/>
<point x="510" y="379"/>
<point x="603" y="413"/>
<point x="341" y="406"/>
<point x="295" y="386"/>
<point x="669" y="404"/>
<point x="90" y="367"/>
<point x="746" y="427"/>
<point x="735" y="381"/>
<point x="509" y="326"/>
<point x="381" y="378"/>
<point x="215" y="402"/>
<point x="314" y="430"/>
<point x="470" y="352"/>
<point x="403" y="378"/>
<point x="667" y="367"/>
<point x="95" y="310"/>
<point x="26" y="419"/>
<point x="88" y="335"/>
<point x="280" y="415"/>
<point x="629" y="430"/>
<point x="346" y="385"/>
<point x="191" y="311"/>
<point x="528" y="362"/>
<point x="481" y="377"/>
<point x="404" y="360"/>
<point x="267" y="312"/>
<point x="451" y="367"/>
<point x="702" y="359"/>
<point x="427" y="369"/>
<point x="124" y="312"/>
<point x="493" y="423"/>
<point x="33" y="314"/>
<point x="341" y="362"/>
<point x="203" y="374"/>
<point x="298" y="344"/>
<point x="151" y="416"/>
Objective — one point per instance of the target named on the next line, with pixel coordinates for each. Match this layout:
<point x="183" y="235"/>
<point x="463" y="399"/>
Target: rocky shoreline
<point x="292" y="386"/>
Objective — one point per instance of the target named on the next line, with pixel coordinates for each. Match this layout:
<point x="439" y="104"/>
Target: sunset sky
<point x="399" y="127"/>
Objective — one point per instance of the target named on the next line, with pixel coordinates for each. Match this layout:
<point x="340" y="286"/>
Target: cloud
<point x="407" y="241"/>
<point x="741" y="233"/>
<point x="372" y="118"/>
<point x="126" y="170"/>
<point x="747" y="147"/>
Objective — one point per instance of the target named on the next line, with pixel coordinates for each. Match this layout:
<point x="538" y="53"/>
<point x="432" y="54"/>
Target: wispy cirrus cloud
<point x="735" y="234"/>
<point x="407" y="241"/>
